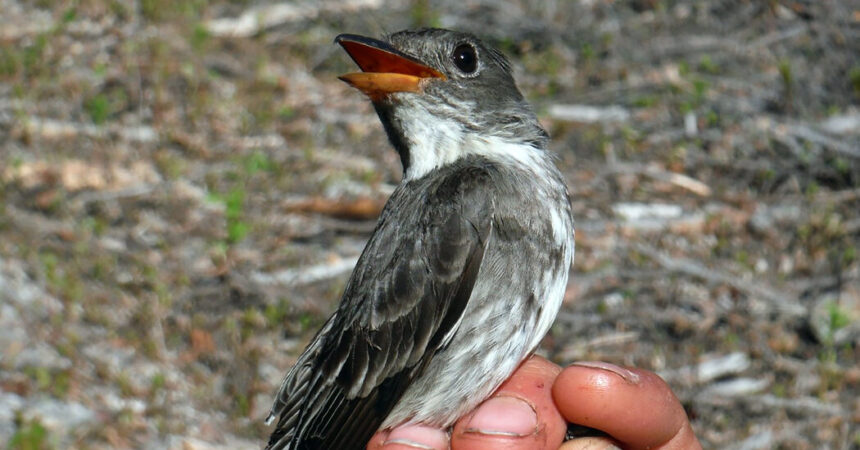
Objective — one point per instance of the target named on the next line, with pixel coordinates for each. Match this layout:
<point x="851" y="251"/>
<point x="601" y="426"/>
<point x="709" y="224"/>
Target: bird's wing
<point x="402" y="304"/>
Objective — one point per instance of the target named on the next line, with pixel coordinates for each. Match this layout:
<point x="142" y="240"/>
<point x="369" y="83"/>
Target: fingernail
<point x="417" y="436"/>
<point x="627" y="375"/>
<point x="504" y="416"/>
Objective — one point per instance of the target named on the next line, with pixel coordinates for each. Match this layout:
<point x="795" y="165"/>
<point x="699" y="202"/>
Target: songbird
<point x="468" y="264"/>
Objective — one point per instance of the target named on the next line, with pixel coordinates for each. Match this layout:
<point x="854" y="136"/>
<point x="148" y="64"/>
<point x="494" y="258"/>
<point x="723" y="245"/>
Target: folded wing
<point x="402" y="304"/>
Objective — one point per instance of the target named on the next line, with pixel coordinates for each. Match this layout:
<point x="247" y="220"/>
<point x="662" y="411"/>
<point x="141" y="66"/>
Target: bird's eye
<point x="465" y="58"/>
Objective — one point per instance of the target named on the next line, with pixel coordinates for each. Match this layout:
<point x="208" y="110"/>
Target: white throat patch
<point x="435" y="141"/>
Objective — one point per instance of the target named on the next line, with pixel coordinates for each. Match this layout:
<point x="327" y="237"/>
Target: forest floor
<point x="185" y="187"/>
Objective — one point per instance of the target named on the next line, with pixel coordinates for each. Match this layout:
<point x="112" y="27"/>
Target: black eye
<point x="465" y="58"/>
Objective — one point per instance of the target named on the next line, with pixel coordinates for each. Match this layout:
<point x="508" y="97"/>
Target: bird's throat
<point x="394" y="131"/>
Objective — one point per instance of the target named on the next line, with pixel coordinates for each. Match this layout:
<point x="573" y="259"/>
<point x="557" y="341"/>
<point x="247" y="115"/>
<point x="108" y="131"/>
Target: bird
<point x="467" y="267"/>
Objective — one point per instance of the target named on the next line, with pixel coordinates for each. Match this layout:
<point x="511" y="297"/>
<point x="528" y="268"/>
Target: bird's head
<point x="442" y="95"/>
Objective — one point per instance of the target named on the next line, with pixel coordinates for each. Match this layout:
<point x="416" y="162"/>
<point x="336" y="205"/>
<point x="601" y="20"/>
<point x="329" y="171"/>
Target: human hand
<point x="532" y="408"/>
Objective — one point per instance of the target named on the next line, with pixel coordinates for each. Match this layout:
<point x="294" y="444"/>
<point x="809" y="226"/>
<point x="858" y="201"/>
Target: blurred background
<point x="185" y="188"/>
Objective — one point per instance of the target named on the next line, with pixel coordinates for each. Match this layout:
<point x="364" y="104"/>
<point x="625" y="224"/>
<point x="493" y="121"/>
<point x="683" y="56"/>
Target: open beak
<point x="385" y="70"/>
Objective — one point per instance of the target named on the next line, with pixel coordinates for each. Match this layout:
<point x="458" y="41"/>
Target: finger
<point x="410" y="437"/>
<point x="634" y="406"/>
<point x="519" y="415"/>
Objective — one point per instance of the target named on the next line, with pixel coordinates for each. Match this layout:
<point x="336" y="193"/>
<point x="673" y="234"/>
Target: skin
<point x="531" y="411"/>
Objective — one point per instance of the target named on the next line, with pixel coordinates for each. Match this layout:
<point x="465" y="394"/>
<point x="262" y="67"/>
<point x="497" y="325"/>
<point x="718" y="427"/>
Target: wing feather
<point x="402" y="304"/>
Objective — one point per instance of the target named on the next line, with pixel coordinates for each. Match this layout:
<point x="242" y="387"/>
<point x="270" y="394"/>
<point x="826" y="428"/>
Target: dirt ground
<point x="185" y="187"/>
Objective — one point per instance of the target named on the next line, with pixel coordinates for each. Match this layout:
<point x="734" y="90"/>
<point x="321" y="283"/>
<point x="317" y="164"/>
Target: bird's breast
<point x="518" y="293"/>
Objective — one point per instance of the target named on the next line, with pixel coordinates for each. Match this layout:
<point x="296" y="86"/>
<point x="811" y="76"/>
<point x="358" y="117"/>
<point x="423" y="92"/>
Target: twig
<point x="798" y="130"/>
<point x="772" y="38"/>
<point x="805" y="132"/>
<point x="60" y="129"/>
<point x="782" y="301"/>
<point x="680" y="180"/>
<point x="361" y="208"/>
<point x="800" y="405"/>
<point x="101" y="196"/>
<point x="306" y="275"/>
<point x="589" y="114"/>
<point x="847" y="195"/>
<point x="710" y="369"/>
<point x="261" y="18"/>
<point x="37" y="224"/>
<point x="579" y="350"/>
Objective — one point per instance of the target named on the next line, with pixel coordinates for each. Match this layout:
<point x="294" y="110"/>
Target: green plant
<point x="69" y="15"/>
<point x="785" y="72"/>
<point x="236" y="227"/>
<point x="787" y="76"/>
<point x="233" y="202"/>
<point x="837" y="318"/>
<point x="587" y="52"/>
<point x="849" y="255"/>
<point x="157" y="383"/>
<point x="33" y="56"/>
<point x="422" y="14"/>
<point x="645" y="101"/>
<point x="700" y="88"/>
<point x="200" y="36"/>
<point x="275" y="313"/>
<point x="258" y="161"/>
<point x="9" y="62"/>
<point x="30" y="435"/>
<point x="98" y="108"/>
<point x="707" y="65"/>
<point x="854" y="78"/>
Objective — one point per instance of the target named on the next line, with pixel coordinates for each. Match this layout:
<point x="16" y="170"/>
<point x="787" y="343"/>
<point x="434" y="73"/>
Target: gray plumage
<point x="463" y="274"/>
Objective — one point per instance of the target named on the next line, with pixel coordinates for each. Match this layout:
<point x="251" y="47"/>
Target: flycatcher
<point x="467" y="267"/>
